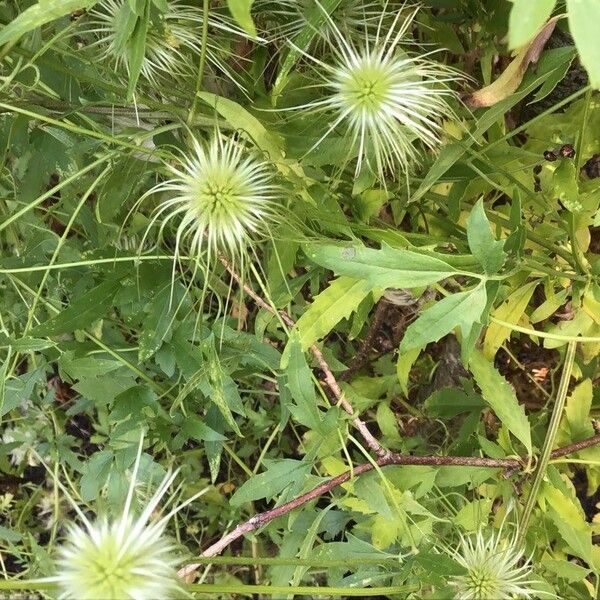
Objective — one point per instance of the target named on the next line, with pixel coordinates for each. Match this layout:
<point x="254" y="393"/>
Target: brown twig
<point x="391" y="458"/>
<point x="328" y="375"/>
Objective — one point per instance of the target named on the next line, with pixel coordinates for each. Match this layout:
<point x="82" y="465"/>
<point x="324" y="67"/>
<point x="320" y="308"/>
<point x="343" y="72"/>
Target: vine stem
<point x="546" y="453"/>
<point x="202" y="61"/>
<point x="392" y="458"/>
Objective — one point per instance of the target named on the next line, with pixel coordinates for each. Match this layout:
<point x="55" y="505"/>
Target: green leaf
<point x="565" y="185"/>
<point x="566" y="569"/>
<point x="501" y="398"/>
<point x="449" y="402"/>
<point x="584" y="16"/>
<point x="568" y="517"/>
<point x="194" y="428"/>
<point x="157" y="323"/>
<point x="25" y="344"/>
<point x="577" y="411"/>
<point x="240" y="11"/>
<point x="82" y="311"/>
<point x="279" y="474"/>
<point x="240" y="118"/>
<point x="458" y="310"/>
<point x="484" y="246"/>
<point x="526" y="18"/>
<point x="511" y="310"/>
<point x="387" y="267"/>
<point x="333" y="304"/>
<point x="315" y="20"/>
<point x="39" y="14"/>
<point x="136" y="50"/>
<point x="300" y="384"/>
<point x="96" y="474"/>
<point x="221" y="388"/>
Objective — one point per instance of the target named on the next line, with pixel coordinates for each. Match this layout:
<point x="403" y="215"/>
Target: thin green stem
<point x="557" y="412"/>
<point x="298" y="562"/>
<point x="202" y="62"/>
<point x="543" y="334"/>
<point x="80" y="130"/>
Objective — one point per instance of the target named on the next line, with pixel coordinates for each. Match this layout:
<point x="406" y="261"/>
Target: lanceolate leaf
<point x="526" y="18"/>
<point x="458" y="310"/>
<point x="39" y="14"/>
<point x="501" y="398"/>
<point x="305" y="409"/>
<point x="333" y="304"/>
<point x="240" y="11"/>
<point x="584" y="16"/>
<point x="387" y="267"/>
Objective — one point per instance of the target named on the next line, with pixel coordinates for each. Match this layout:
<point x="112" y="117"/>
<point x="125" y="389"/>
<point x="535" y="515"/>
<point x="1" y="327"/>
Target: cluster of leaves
<point x="484" y="242"/>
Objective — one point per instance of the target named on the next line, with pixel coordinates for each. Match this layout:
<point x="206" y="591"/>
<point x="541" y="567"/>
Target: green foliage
<point x="433" y="307"/>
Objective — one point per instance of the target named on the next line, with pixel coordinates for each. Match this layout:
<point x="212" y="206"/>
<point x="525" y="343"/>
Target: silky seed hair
<point x="381" y="98"/>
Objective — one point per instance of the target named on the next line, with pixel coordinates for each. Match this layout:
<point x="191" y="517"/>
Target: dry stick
<point x="328" y="376"/>
<point x="391" y="458"/>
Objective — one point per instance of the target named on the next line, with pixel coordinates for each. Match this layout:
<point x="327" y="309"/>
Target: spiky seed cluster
<point x="285" y="19"/>
<point x="123" y="559"/>
<point x="384" y="99"/>
<point x="169" y="40"/>
<point x="496" y="569"/>
<point x="225" y="198"/>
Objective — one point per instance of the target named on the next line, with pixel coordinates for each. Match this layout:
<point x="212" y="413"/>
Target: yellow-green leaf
<point x="510" y="311"/>
<point x="39" y="14"/>
<point x="501" y="398"/>
<point x="333" y="304"/>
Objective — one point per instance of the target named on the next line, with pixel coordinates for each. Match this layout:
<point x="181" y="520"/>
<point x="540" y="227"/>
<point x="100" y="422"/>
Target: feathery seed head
<point x="224" y="194"/>
<point x="493" y="571"/>
<point x="170" y="39"/>
<point x="128" y="558"/>
<point x="384" y="98"/>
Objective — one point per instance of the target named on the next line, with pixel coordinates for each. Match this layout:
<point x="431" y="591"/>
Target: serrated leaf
<point x="279" y="474"/>
<point x="584" y="16"/>
<point x="82" y="311"/>
<point x="463" y="310"/>
<point x="484" y="246"/>
<point x="526" y="18"/>
<point x="334" y="303"/>
<point x="387" y="267"/>
<point x="577" y="411"/>
<point x="501" y="398"/>
<point x="39" y="14"/>
<point x="568" y="517"/>
<point x="511" y="310"/>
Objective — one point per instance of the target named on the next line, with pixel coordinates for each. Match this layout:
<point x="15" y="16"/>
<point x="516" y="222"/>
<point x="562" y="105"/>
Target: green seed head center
<point x="366" y="87"/>
<point x="220" y="196"/>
